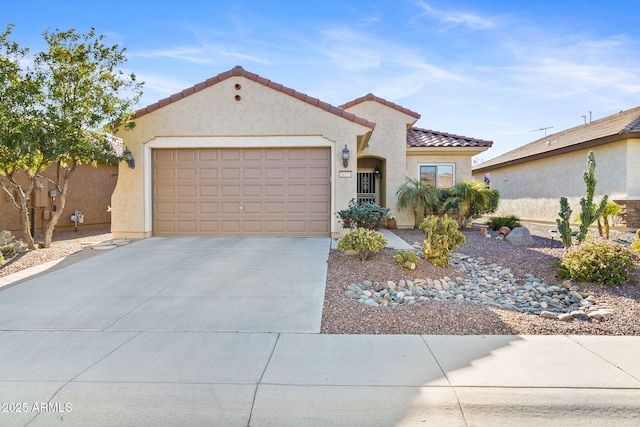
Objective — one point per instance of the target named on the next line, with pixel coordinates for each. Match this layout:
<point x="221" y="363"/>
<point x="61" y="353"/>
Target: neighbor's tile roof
<point x="417" y="137"/>
<point x="238" y="71"/>
<point x="601" y="131"/>
<point x="372" y="97"/>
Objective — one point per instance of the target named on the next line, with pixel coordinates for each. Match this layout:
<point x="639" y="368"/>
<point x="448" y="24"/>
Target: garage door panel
<point x="230" y="190"/>
<point x="208" y="173"/>
<point x="208" y="208"/>
<point x="252" y="190"/>
<point x="230" y="208"/>
<point x="208" y="190"/>
<point x="244" y="191"/>
<point x="187" y="191"/>
<point x="186" y="155"/>
<point x="252" y="208"/>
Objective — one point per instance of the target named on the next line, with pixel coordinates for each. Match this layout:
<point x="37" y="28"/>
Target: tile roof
<point x="601" y="131"/>
<point x="372" y="97"/>
<point x="417" y="137"/>
<point x="238" y="71"/>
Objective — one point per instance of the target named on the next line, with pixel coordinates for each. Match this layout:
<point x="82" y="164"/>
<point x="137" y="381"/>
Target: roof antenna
<point x="542" y="129"/>
<point x="584" y="118"/>
<point x="589" y="116"/>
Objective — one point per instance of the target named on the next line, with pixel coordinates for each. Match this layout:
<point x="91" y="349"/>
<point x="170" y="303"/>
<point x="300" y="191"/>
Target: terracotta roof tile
<point x="372" y="97"/>
<point x="241" y="72"/>
<point x="587" y="135"/>
<point x="417" y="137"/>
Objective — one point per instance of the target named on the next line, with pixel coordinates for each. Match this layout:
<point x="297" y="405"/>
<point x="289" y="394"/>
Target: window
<point x="440" y="176"/>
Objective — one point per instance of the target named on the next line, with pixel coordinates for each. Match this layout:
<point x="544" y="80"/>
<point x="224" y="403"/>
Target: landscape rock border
<point x="488" y="284"/>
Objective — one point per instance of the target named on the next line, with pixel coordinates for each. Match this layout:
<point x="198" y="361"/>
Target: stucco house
<point x="240" y="155"/>
<point x="532" y="178"/>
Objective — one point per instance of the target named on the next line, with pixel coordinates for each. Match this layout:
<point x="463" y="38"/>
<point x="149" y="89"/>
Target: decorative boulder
<point x="520" y="236"/>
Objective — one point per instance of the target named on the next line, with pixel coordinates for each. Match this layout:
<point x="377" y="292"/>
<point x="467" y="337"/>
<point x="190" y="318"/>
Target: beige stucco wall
<point x="213" y="117"/>
<point x="532" y="190"/>
<point x="388" y="143"/>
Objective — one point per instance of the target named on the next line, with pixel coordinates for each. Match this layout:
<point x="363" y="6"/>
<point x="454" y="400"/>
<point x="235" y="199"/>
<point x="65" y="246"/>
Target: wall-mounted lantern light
<point x="377" y="172"/>
<point x="345" y="156"/>
<point x="128" y="157"/>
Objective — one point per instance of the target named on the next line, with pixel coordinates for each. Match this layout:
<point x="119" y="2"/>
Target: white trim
<point x="238" y="141"/>
<point x="229" y="142"/>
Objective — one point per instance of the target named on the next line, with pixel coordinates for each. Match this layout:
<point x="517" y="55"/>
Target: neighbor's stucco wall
<point x="89" y="191"/>
<point x="532" y="190"/>
<point x="222" y="115"/>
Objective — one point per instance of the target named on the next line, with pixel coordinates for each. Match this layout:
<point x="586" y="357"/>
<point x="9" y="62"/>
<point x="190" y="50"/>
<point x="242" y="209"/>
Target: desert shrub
<point x="362" y="240"/>
<point x="366" y="215"/>
<point x="9" y="244"/>
<point x="442" y="237"/>
<point x="636" y="245"/>
<point x="600" y="261"/>
<point x="408" y="259"/>
<point x="498" y="222"/>
<point x="469" y="200"/>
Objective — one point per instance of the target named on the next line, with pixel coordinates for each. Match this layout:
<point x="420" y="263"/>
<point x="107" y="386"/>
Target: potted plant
<point x="391" y="222"/>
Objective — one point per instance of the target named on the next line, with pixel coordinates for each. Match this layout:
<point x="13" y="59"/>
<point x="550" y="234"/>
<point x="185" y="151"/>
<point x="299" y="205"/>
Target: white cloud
<point x="456" y="18"/>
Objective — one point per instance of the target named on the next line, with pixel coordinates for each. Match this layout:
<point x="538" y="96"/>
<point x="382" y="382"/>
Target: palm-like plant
<point x="422" y="198"/>
<point x="470" y="200"/>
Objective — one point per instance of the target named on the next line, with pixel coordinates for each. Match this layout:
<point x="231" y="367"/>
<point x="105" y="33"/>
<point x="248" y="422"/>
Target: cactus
<point x="589" y="211"/>
<point x="407" y="259"/>
<point x="564" y="226"/>
<point x="9" y="245"/>
<point x="442" y="237"/>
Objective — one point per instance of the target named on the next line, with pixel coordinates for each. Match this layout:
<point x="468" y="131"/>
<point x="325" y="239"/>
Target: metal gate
<point x="368" y="190"/>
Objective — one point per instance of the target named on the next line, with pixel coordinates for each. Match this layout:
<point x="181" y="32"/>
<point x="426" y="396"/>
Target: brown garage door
<point x="241" y="192"/>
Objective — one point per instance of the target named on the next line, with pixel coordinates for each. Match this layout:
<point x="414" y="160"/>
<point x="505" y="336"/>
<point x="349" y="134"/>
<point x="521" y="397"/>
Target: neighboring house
<point x="531" y="179"/>
<point x="89" y="192"/>
<point x="240" y="155"/>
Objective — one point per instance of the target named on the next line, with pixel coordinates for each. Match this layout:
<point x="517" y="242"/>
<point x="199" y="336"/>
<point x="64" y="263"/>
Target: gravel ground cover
<point x="342" y="315"/>
<point x="63" y="244"/>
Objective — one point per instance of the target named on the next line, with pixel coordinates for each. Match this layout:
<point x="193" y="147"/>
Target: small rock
<point x="565" y="317"/>
<point x="548" y="315"/>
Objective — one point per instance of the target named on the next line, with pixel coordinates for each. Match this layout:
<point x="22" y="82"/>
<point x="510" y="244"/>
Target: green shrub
<point x="1" y="259"/>
<point x="636" y="245"/>
<point x="9" y="245"/>
<point x="362" y="240"/>
<point x="442" y="237"/>
<point x="366" y="215"/>
<point x="600" y="261"/>
<point x="408" y="259"/>
<point x="497" y="222"/>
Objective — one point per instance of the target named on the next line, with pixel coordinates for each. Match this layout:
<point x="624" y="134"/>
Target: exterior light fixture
<point x="345" y="156"/>
<point x="128" y="157"/>
<point x="377" y="172"/>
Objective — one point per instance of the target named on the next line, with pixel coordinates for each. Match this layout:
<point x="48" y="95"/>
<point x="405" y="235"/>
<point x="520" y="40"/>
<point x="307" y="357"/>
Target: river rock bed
<point x="488" y="284"/>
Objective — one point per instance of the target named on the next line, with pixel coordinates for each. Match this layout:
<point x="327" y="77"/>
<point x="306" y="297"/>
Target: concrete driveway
<point x="180" y="284"/>
<point x="224" y="332"/>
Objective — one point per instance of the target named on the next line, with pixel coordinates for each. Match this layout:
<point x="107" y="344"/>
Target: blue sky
<point x="496" y="70"/>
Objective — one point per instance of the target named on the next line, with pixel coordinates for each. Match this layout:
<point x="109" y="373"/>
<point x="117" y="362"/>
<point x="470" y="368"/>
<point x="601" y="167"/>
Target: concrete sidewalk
<point x="224" y="332"/>
<point x="263" y="379"/>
